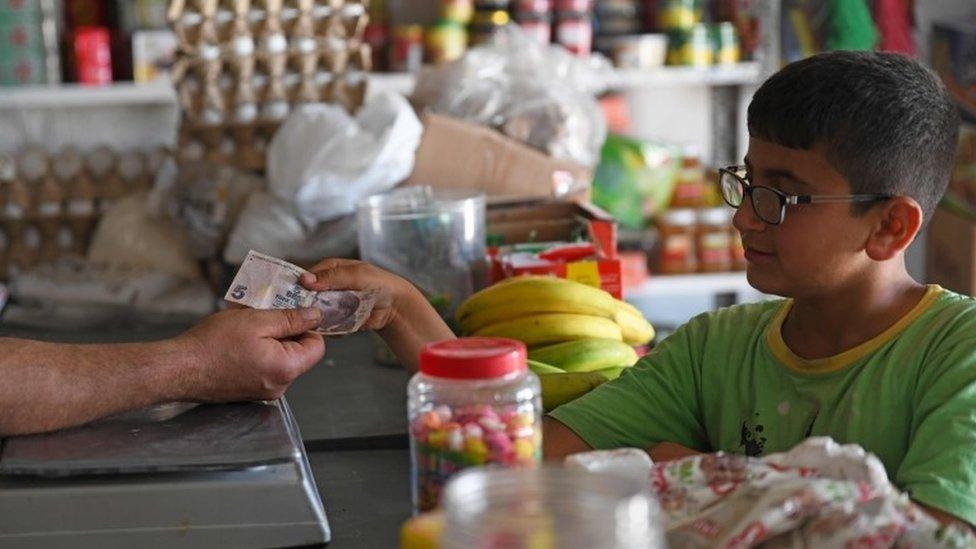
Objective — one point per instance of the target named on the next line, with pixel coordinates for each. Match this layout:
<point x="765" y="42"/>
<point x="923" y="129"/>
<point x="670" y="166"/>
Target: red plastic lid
<point x="473" y="358"/>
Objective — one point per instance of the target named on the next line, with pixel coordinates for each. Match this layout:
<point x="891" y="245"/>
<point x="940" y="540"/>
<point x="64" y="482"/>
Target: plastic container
<point x="549" y="507"/>
<point x="714" y="244"/>
<point x="434" y="239"/>
<point x="473" y="403"/>
<point x="677" y="235"/>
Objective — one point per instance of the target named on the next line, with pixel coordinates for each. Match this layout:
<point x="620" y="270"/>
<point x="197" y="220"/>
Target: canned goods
<point x="486" y="23"/>
<point x="678" y="15"/>
<point x="446" y="41"/>
<point x="407" y="54"/>
<point x="692" y="47"/>
<point x="575" y="33"/>
<point x="526" y="8"/>
<point x="457" y="11"/>
<point x="93" y="55"/>
<point x="725" y="43"/>
<point x="536" y="27"/>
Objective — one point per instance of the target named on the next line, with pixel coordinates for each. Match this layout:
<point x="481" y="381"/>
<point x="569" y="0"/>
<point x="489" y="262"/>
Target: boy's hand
<point x="401" y="315"/>
<point x="347" y="274"/>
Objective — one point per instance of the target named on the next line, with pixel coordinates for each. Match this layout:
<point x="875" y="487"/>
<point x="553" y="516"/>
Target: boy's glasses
<point x="769" y="203"/>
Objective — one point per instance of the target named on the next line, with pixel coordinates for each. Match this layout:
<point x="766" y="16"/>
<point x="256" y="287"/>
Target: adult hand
<point x="392" y="292"/>
<point x="249" y="354"/>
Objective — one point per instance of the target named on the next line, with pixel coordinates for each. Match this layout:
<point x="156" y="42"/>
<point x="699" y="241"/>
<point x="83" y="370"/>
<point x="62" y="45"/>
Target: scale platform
<point x="177" y="475"/>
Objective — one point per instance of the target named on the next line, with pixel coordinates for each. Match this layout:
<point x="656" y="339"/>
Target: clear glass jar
<point x="473" y="403"/>
<point x="549" y="507"/>
<point x="714" y="241"/>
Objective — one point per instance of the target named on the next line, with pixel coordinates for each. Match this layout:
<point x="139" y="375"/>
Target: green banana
<point x="541" y="369"/>
<point x="612" y="372"/>
<point x="558" y="389"/>
<point x="553" y="328"/>
<point x="586" y="355"/>
<point x="534" y="294"/>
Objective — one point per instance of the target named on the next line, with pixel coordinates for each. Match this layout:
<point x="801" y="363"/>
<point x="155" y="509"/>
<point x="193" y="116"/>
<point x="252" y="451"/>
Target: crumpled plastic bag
<point x="273" y="226"/>
<point x="820" y="494"/>
<point x="540" y="95"/>
<point x="323" y="162"/>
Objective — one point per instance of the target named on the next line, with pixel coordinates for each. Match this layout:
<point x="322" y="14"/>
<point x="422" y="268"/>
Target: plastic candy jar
<point x="473" y="403"/>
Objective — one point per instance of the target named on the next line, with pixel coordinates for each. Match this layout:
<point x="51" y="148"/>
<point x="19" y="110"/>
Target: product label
<point x="586" y="272"/>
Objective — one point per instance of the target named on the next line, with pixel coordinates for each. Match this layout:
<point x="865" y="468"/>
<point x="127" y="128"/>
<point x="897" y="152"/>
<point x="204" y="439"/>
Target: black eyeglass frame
<point x="786" y="199"/>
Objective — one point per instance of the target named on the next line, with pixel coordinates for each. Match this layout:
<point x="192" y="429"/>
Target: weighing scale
<point x="178" y="475"/>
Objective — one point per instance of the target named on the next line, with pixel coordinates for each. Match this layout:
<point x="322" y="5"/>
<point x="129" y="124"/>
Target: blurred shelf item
<point x="121" y="94"/>
<point x="732" y="75"/>
<point x="712" y="283"/>
<point x="399" y="82"/>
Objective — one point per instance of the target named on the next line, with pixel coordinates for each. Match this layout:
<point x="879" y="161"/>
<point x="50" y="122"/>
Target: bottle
<point x="677" y="235"/>
<point x="714" y="243"/>
<point x="474" y="402"/>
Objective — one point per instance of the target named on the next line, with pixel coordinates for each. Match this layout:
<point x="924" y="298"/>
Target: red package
<point x="93" y="56"/>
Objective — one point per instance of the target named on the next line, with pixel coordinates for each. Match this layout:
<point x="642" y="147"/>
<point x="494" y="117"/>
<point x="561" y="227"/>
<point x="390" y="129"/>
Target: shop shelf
<point x="122" y="94"/>
<point x="731" y="75"/>
<point x="711" y="283"/>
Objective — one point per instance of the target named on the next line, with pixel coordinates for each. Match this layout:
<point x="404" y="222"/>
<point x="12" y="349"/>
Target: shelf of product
<point x="698" y="283"/>
<point x="66" y="96"/>
<point x="744" y="73"/>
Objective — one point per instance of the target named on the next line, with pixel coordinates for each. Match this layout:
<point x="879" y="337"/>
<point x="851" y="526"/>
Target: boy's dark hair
<point x="886" y="123"/>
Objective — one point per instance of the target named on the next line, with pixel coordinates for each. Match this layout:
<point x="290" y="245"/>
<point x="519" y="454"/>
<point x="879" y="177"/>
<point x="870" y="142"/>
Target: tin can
<point x="678" y="15"/>
<point x="527" y="8"/>
<point x="407" y="53"/>
<point x="691" y="47"/>
<point x="93" y="55"/>
<point x="725" y="43"/>
<point x="486" y="23"/>
<point x="575" y="33"/>
<point x="457" y="11"/>
<point x="446" y="41"/>
<point x="538" y="27"/>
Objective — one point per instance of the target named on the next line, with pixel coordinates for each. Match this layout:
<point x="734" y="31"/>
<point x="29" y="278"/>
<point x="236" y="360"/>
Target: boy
<point x="848" y="155"/>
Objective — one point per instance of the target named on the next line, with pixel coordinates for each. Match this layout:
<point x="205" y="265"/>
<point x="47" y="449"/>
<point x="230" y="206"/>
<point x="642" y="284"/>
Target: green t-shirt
<point x="726" y="381"/>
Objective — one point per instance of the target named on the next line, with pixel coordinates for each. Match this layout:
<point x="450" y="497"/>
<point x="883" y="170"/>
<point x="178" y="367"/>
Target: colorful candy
<point x="446" y="441"/>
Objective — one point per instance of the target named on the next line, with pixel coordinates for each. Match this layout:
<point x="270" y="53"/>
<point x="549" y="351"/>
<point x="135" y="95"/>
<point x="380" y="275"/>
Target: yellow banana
<point x="636" y="330"/>
<point x="611" y="373"/>
<point x="553" y="328"/>
<point x="586" y="355"/>
<point x="546" y="291"/>
<point x="516" y="308"/>
<point x="558" y="389"/>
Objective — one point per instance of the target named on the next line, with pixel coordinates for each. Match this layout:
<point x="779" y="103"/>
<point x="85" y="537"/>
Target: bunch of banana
<point x="541" y="310"/>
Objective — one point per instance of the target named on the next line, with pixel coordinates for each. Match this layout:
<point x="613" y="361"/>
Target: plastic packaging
<point x="549" y="507"/>
<point x="434" y="239"/>
<point x="323" y="162"/>
<point x="474" y="402"/>
<point x="539" y="94"/>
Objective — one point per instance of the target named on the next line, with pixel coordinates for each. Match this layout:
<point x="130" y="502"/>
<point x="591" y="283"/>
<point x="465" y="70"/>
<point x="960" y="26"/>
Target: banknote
<point x="265" y="282"/>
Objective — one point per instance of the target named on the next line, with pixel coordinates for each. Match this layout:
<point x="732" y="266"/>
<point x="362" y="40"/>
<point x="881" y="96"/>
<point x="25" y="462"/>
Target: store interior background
<point x="675" y="110"/>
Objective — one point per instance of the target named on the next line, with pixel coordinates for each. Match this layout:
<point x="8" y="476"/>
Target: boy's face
<point x="817" y="247"/>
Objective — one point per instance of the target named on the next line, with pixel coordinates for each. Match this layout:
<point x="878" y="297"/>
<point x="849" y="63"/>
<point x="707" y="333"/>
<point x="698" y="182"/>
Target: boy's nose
<point x="745" y="218"/>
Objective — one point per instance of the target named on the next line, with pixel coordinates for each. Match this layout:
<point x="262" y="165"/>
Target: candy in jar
<point x="473" y="403"/>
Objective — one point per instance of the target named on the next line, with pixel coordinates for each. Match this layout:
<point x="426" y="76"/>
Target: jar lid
<point x="715" y="216"/>
<point x="679" y="216"/>
<point x="473" y="358"/>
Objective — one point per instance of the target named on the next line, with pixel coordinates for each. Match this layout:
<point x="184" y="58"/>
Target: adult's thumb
<point x="283" y="323"/>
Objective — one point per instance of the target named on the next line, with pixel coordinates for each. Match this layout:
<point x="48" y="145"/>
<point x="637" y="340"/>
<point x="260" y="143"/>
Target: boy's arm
<point x="402" y="315"/>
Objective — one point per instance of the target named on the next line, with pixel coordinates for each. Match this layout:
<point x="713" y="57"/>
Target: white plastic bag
<point x="323" y="162"/>
<point x="273" y="226"/>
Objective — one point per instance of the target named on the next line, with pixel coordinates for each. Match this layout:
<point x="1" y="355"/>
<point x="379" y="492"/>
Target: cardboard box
<point x="951" y="252"/>
<point x="455" y="154"/>
<point x="520" y="230"/>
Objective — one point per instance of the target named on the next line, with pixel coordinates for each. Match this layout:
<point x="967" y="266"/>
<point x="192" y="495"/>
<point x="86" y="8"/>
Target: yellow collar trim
<point x="774" y="337"/>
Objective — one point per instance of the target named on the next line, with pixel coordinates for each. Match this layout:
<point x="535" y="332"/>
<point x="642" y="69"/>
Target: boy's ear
<point x="898" y="220"/>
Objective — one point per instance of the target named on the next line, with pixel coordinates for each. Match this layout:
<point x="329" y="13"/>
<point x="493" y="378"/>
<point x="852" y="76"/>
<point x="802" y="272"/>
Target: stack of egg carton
<point x="244" y="64"/>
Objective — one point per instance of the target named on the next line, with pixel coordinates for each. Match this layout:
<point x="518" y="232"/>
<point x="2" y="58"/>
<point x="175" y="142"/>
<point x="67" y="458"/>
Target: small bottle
<point x="677" y="235"/>
<point x="714" y="244"/>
